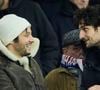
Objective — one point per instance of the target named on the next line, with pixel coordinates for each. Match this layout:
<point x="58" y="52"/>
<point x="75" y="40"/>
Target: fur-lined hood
<point x="24" y="60"/>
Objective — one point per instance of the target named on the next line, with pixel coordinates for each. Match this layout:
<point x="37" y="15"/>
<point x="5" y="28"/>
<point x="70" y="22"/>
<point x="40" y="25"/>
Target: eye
<point x="85" y="30"/>
<point x="27" y="35"/>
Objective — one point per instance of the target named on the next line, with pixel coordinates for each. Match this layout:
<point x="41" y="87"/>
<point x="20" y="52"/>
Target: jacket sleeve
<point x="49" y="47"/>
<point x="5" y="82"/>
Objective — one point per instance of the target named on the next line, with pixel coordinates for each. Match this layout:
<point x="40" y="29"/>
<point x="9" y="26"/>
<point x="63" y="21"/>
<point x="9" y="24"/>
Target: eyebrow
<point x="27" y="31"/>
<point x="82" y="26"/>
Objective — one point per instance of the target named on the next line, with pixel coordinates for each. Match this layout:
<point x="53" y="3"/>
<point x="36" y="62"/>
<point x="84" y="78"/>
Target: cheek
<point x="71" y="53"/>
<point x="91" y="37"/>
<point x="82" y="34"/>
<point x="22" y="41"/>
<point x="77" y="52"/>
<point x="75" y="55"/>
<point x="20" y="45"/>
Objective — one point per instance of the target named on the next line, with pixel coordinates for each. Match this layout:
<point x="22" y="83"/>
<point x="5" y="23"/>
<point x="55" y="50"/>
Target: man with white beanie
<point x="48" y="55"/>
<point x="18" y="70"/>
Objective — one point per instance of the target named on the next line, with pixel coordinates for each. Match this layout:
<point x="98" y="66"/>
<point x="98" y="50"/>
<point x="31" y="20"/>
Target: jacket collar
<point x="24" y="60"/>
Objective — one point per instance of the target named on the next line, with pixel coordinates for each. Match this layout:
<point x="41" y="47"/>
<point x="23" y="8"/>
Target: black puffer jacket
<point x="91" y="73"/>
<point x="48" y="54"/>
<point x="63" y="22"/>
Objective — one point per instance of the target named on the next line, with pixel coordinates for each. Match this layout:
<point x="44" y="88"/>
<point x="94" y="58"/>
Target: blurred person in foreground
<point x="88" y="20"/>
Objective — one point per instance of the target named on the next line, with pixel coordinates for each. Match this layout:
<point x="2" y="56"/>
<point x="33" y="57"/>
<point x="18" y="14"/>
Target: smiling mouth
<point x="86" y="41"/>
<point x="28" y="46"/>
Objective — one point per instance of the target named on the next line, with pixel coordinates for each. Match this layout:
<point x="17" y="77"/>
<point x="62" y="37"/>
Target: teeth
<point x="28" y="46"/>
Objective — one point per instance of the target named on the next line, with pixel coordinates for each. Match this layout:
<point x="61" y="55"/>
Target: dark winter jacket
<point x="48" y="54"/>
<point x="93" y="2"/>
<point x="63" y="22"/>
<point x="14" y="77"/>
<point x="91" y="73"/>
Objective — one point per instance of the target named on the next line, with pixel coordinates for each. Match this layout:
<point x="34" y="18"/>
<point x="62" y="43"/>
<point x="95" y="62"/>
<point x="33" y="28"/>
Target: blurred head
<point x="72" y="44"/>
<point x="89" y="23"/>
<point x="80" y="3"/>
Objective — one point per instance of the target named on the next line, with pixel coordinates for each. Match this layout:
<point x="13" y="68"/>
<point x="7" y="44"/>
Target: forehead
<point x="83" y="25"/>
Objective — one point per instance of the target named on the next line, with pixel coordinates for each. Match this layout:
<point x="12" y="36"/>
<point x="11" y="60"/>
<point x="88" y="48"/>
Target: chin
<point x="26" y="54"/>
<point x="90" y="45"/>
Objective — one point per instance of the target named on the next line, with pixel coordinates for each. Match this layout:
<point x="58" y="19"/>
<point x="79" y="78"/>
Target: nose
<point x="82" y="34"/>
<point x="81" y="54"/>
<point x="31" y="39"/>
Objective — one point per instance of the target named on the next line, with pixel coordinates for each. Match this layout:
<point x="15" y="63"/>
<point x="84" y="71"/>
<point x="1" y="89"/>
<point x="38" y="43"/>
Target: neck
<point x="5" y="5"/>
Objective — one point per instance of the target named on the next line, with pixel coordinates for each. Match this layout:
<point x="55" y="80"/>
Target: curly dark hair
<point x="89" y="15"/>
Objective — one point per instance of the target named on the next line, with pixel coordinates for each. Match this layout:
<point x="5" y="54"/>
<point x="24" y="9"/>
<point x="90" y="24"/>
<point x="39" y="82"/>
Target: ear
<point x="11" y="44"/>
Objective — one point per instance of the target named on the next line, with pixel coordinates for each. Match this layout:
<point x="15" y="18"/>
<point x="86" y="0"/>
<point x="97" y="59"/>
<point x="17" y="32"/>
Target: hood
<point x="35" y="47"/>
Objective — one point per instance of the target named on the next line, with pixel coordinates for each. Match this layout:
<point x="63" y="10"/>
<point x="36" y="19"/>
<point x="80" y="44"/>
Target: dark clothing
<point x="63" y="22"/>
<point x="14" y="77"/>
<point x="48" y="55"/>
<point x="91" y="73"/>
<point x="50" y="7"/>
<point x="93" y="2"/>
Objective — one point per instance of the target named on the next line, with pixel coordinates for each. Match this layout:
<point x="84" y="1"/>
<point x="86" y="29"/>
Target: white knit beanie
<point x="11" y="26"/>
